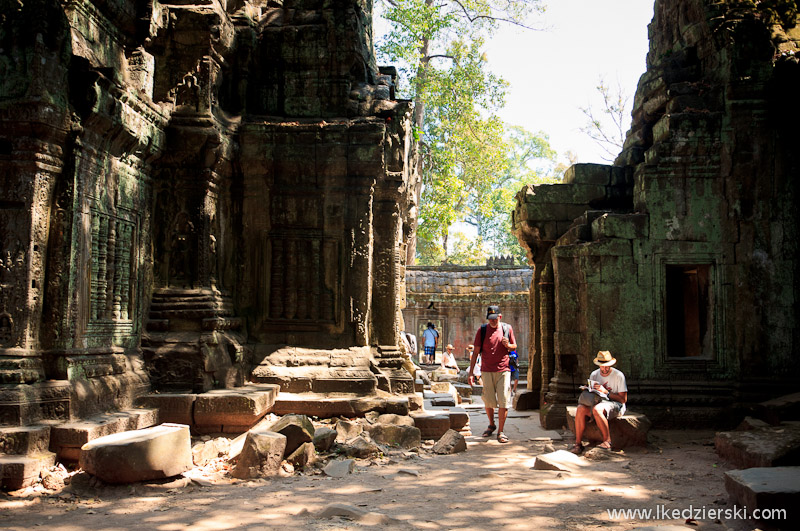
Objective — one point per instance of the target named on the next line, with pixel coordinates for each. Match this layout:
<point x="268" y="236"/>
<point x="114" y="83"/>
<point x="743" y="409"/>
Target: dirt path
<point x="491" y="485"/>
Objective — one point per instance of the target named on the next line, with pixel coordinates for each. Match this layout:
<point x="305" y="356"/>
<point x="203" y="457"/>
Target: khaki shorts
<point x="496" y="389"/>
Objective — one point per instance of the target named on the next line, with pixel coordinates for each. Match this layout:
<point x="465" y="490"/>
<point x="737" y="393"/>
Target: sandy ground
<point x="491" y="485"/>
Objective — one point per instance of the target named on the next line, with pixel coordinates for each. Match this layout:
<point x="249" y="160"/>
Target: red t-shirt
<point x="494" y="356"/>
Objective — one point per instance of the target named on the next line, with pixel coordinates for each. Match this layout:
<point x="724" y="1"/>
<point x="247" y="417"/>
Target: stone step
<point x="628" y="430"/>
<point x="339" y="404"/>
<point x="775" y="490"/>
<point x="233" y="410"/>
<point x="24" y="440"/>
<point x="66" y="439"/>
<point x="192" y="305"/>
<point x="20" y="471"/>
<point x="761" y="447"/>
<point x="198" y="313"/>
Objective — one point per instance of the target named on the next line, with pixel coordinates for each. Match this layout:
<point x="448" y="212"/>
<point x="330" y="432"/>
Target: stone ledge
<point x="67" y="439"/>
<point x="765" y="488"/>
<point x="628" y="430"/>
<point x="20" y="471"/>
<point x="767" y="446"/>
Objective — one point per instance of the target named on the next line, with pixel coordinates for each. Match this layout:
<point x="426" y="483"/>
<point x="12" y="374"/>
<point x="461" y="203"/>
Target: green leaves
<point x="470" y="161"/>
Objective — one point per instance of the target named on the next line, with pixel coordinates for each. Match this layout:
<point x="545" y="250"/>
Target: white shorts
<point x="497" y="389"/>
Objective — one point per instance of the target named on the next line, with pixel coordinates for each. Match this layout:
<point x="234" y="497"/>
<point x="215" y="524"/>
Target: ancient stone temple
<point x="455" y="298"/>
<point x="682" y="257"/>
<point x="193" y="196"/>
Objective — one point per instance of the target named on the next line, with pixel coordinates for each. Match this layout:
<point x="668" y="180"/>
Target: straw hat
<point x="449" y="347"/>
<point x="604" y="359"/>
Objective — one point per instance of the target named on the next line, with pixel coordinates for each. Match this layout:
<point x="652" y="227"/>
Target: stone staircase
<point x="24" y="454"/>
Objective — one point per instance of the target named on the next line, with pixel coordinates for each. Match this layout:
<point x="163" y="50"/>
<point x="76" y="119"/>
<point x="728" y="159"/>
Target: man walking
<point x="493" y="342"/>
<point x="431" y="337"/>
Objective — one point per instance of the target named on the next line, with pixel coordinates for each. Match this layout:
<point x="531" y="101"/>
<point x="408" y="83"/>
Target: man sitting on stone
<point x="610" y="383"/>
<point x="449" y="358"/>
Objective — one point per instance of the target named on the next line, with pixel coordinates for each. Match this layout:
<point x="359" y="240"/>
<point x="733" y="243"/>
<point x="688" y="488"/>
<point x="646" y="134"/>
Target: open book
<point x="602" y="392"/>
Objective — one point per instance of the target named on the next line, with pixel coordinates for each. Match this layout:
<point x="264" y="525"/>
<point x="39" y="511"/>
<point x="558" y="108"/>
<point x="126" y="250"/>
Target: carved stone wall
<point x="187" y="188"/>
<point x="682" y="258"/>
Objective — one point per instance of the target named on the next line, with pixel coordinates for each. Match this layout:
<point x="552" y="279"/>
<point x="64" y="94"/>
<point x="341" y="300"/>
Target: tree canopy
<point x="471" y="163"/>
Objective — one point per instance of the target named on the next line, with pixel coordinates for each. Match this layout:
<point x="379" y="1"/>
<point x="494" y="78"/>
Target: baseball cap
<point x="493" y="312"/>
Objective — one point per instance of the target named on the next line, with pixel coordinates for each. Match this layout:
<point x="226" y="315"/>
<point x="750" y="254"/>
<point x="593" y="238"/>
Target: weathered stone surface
<point x="404" y="436"/>
<point x="324" y="438"/>
<point x="779" y="409"/>
<point x="152" y="453"/>
<point x="235" y="409"/>
<point x="174" y="408"/>
<point x="339" y="468"/>
<point x="629" y="257"/>
<point x="361" y="447"/>
<point x="296" y="428"/>
<point x="347" y="429"/>
<point x="401" y="420"/>
<point x="459" y="418"/>
<point x="765" y="489"/>
<point x="749" y="423"/>
<point x="19" y="471"/>
<point x="451" y="442"/>
<point x="68" y="438"/>
<point x="24" y="440"/>
<point x="628" y="430"/>
<point x="261" y="455"/>
<point x="526" y="400"/>
<point x="302" y="456"/>
<point x="203" y="452"/>
<point x="431" y="426"/>
<point x="559" y="460"/>
<point x="761" y="447"/>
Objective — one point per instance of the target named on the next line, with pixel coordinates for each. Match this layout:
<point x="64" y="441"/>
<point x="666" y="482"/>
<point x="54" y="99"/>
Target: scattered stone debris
<point x="340" y="468"/>
<point x="451" y="442"/>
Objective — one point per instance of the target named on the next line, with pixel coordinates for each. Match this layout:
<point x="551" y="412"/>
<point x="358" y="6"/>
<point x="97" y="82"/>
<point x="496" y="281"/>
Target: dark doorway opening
<point x="688" y="311"/>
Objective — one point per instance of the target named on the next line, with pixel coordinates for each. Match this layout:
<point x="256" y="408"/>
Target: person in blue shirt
<point x="514" y="372"/>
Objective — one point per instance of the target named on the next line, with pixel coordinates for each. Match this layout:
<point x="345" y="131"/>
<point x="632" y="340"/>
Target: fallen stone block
<point x="303" y="456"/>
<point x="560" y="460"/>
<point x="463" y="390"/>
<point x="431" y="426"/>
<point x="324" y="438"/>
<point x="783" y="408"/>
<point x="443" y="401"/>
<point x="775" y="489"/>
<point x="400" y="420"/>
<point x="526" y="400"/>
<point x="152" y="453"/>
<point x="347" y="429"/>
<point x="459" y="419"/>
<point x="749" y="423"/>
<point x="261" y="455"/>
<point x="398" y="405"/>
<point x="203" y="452"/>
<point x="761" y="447"/>
<point x="626" y="431"/>
<point x="443" y="387"/>
<point x="361" y="447"/>
<point x="403" y="435"/>
<point x="339" y="468"/>
<point x="419" y="386"/>
<point x="296" y="428"/>
<point x="451" y="442"/>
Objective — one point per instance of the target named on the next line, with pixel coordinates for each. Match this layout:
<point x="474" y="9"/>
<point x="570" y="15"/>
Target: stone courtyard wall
<point x="682" y="257"/>
<point x="455" y="299"/>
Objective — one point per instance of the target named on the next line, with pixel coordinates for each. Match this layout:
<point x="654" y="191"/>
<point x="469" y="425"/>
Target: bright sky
<point x="554" y="72"/>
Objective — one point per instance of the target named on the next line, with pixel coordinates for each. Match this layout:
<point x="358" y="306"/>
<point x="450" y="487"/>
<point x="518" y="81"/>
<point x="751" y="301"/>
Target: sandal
<point x="501" y="437"/>
<point x="489" y="431"/>
<point x="577" y="449"/>
<point x="605" y="445"/>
